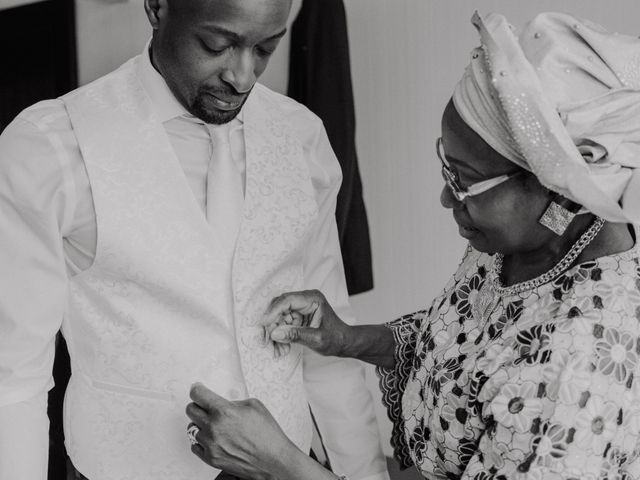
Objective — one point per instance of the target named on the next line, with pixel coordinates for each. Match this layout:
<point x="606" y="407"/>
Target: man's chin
<point x="215" y="117"/>
<point x="206" y="110"/>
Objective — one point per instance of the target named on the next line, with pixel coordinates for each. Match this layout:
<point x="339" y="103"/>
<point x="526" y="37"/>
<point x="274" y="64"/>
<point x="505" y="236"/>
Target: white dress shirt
<point x="48" y="234"/>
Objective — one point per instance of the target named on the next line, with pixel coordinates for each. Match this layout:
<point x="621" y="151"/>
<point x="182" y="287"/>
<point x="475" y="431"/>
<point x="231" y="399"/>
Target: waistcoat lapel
<point x="279" y="211"/>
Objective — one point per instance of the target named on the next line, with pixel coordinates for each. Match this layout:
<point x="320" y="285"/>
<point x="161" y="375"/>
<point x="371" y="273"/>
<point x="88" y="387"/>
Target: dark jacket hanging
<point x="320" y="78"/>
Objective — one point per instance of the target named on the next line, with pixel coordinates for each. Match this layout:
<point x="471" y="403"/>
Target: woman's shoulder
<point x="597" y="301"/>
<point x="473" y="263"/>
<point x="610" y="283"/>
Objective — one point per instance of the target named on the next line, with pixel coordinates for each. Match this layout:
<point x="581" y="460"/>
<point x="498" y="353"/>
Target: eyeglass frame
<point x="451" y="178"/>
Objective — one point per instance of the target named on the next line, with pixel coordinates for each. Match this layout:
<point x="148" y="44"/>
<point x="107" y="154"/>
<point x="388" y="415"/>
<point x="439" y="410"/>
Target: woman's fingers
<point x="304" y="318"/>
<point x="296" y="306"/>
<point x="310" y="337"/>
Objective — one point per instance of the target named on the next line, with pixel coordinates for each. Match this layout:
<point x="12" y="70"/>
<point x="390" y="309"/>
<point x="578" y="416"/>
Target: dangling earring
<point x="556" y="218"/>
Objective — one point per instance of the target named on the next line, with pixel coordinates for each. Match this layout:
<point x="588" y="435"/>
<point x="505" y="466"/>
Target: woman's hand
<point x="242" y="438"/>
<point x="306" y="318"/>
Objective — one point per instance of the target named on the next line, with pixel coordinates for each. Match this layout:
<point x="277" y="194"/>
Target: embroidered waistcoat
<point x="147" y="319"/>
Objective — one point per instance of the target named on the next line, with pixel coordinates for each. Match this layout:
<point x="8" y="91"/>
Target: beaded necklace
<point x="492" y="289"/>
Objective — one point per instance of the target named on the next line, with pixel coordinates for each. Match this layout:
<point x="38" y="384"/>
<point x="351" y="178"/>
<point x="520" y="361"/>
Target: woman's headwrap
<point x="562" y="100"/>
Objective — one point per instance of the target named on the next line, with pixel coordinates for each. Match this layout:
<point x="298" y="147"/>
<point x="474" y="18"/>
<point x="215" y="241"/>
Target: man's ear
<point x="156" y="10"/>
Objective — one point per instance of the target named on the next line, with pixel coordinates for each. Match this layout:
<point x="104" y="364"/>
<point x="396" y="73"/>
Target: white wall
<point x="406" y="57"/>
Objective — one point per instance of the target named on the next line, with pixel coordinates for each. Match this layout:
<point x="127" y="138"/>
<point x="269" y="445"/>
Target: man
<point x="152" y="215"/>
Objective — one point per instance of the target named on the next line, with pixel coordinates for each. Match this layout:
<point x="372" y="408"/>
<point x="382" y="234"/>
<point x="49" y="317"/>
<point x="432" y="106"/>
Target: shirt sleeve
<point x="339" y="398"/>
<point x="33" y="212"/>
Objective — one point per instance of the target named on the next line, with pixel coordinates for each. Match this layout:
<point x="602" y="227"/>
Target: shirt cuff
<point x="24" y="439"/>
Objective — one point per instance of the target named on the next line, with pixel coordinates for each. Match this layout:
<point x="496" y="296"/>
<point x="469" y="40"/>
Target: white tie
<point x="224" y="189"/>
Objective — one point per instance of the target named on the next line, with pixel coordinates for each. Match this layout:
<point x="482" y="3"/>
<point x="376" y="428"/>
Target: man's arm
<point x="33" y="282"/>
<point x="340" y="400"/>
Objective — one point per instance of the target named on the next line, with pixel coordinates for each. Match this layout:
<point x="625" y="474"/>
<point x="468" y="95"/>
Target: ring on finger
<point x="192" y="431"/>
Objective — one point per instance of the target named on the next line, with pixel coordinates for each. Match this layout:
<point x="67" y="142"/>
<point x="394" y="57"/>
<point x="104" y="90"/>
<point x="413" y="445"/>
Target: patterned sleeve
<point x="393" y="380"/>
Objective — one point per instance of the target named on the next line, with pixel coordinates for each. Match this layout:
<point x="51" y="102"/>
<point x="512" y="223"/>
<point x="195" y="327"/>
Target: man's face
<point x="211" y="52"/>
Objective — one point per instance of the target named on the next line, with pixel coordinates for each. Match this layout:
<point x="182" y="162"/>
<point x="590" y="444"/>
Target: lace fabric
<point x="393" y="381"/>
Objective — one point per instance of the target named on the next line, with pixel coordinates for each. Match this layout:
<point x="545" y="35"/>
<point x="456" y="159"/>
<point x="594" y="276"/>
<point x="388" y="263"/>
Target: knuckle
<point x="275" y="301"/>
<point x="213" y="453"/>
<point x="293" y="334"/>
<point x="253" y="403"/>
<point x="207" y="431"/>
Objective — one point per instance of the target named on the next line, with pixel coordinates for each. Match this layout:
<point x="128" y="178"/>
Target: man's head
<point x="211" y="52"/>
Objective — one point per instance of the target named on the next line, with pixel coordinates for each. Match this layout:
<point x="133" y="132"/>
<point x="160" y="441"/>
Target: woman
<point x="526" y="365"/>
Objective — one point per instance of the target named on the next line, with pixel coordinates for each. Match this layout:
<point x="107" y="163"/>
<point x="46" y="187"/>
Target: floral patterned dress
<point x="546" y="389"/>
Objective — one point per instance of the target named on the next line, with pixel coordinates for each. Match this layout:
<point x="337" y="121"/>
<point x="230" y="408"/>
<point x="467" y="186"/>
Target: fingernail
<point x="278" y="335"/>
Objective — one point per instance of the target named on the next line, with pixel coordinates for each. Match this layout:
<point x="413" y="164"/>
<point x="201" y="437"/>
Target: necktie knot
<point x="219" y="134"/>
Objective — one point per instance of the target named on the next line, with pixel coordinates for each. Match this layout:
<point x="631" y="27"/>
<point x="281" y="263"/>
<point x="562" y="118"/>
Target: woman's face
<point x="503" y="219"/>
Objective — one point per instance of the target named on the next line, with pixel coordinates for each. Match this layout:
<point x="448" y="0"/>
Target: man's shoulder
<point x="288" y="107"/>
<point x="306" y="126"/>
<point x="51" y="115"/>
<point x="47" y="113"/>
<point x="114" y="77"/>
<point x="42" y="115"/>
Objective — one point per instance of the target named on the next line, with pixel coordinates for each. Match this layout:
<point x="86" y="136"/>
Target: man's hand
<point x="306" y="318"/>
<point x="241" y="437"/>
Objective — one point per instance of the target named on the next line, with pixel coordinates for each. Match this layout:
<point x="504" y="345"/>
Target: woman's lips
<point x="467" y="232"/>
<point x="464" y="230"/>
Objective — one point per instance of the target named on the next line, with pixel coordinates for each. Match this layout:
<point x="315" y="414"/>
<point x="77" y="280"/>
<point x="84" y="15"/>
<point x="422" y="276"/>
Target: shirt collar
<point x="164" y="102"/>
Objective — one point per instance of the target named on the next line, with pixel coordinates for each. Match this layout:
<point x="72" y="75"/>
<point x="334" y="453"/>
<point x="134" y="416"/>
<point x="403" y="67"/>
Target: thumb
<point x="206" y="398"/>
<point x="310" y="337"/>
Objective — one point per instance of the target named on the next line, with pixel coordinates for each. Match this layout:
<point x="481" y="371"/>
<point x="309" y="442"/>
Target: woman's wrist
<point x="370" y="343"/>
<point x="347" y="342"/>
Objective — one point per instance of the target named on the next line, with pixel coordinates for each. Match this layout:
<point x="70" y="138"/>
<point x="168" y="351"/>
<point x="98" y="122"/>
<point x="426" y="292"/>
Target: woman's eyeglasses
<point x="451" y="177"/>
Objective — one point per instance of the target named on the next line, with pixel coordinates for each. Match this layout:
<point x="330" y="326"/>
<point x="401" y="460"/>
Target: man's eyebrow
<point x="276" y="36"/>
<point x="234" y="36"/>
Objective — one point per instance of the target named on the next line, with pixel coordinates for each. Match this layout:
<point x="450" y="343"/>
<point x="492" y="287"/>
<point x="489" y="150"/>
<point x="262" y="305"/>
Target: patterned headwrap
<point x="561" y="99"/>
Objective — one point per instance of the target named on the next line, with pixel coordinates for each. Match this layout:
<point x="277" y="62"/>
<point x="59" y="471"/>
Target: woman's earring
<point x="556" y="218"/>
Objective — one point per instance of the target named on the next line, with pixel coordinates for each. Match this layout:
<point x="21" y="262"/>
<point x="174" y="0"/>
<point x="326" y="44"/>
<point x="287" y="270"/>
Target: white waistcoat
<point x="147" y="319"/>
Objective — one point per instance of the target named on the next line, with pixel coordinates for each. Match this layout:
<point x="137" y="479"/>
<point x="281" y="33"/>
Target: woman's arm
<point x="307" y="318"/>
<point x="372" y="344"/>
